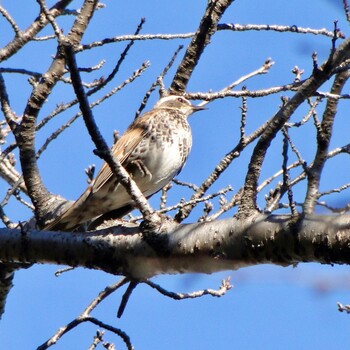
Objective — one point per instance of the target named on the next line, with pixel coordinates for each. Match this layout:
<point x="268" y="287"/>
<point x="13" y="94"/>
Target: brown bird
<point x="153" y="150"/>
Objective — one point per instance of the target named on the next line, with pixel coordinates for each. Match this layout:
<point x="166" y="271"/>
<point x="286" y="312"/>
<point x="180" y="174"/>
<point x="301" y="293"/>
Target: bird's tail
<point x="77" y="214"/>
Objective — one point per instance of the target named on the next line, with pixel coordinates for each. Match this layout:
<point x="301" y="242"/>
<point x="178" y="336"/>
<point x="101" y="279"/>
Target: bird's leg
<point x="141" y="167"/>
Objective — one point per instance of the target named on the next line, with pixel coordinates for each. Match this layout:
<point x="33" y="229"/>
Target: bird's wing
<point x="121" y="151"/>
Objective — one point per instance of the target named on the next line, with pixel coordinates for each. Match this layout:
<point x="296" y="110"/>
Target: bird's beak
<point x="198" y="108"/>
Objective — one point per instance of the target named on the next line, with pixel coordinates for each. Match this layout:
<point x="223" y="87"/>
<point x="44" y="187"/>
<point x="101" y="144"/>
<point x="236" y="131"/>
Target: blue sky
<point x="270" y="307"/>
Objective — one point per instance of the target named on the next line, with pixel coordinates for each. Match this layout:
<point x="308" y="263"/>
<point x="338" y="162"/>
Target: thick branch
<point x="25" y="134"/>
<point x="201" y="39"/>
<point x="201" y="247"/>
<point x="23" y="38"/>
<point x="306" y="90"/>
<point x="324" y="136"/>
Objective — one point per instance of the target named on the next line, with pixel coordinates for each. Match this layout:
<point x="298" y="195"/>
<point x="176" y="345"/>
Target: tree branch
<point x="201" y="247"/>
<point x="25" y="133"/>
<point x="23" y="38"/>
<point x="324" y="136"/>
<point x="201" y="39"/>
<point x="306" y="90"/>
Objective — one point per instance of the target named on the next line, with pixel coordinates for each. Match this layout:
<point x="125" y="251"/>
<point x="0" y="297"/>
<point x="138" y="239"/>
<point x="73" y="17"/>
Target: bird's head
<point x="179" y="103"/>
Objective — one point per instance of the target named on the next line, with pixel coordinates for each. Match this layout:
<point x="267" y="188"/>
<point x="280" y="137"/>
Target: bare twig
<point x="191" y="203"/>
<point x="102" y="84"/>
<point x="334" y="190"/>
<point x="98" y="338"/>
<point x="6" y="220"/>
<point x="346" y="10"/>
<point x="343" y="308"/>
<point x="11" y="21"/>
<point x="279" y="28"/>
<point x="10" y="116"/>
<point x="307" y="116"/>
<point x="286" y="177"/>
<point x="219" y="169"/>
<point x="51" y="19"/>
<point x="192" y="186"/>
<point x="158" y="82"/>
<point x="224" y="288"/>
<point x="233" y="27"/>
<point x="208" y="207"/>
<point x="164" y="196"/>
<point x="27" y="35"/>
<point x="85" y="317"/>
<point x="132" y="285"/>
<point x="339" y="211"/>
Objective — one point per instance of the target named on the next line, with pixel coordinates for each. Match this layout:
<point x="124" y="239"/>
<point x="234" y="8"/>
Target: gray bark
<point x="200" y="247"/>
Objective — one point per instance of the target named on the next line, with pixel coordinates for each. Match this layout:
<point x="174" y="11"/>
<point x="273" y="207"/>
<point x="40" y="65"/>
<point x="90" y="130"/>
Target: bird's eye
<point x="180" y="99"/>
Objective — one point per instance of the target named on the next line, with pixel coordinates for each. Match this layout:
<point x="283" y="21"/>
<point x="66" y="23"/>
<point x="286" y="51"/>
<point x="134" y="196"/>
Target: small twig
<point x="11" y="21"/>
<point x="98" y="338"/>
<point x="338" y="211"/>
<point x="343" y="308"/>
<point x="301" y="162"/>
<point x="286" y="177"/>
<point x="298" y="73"/>
<point x="36" y="75"/>
<point x="264" y="69"/>
<point x="233" y="27"/>
<point x="329" y="95"/>
<point x="193" y="187"/>
<point x="219" y="169"/>
<point x="243" y="119"/>
<point x="103" y="83"/>
<point x="335" y="36"/>
<point x="278" y="28"/>
<point x="346" y="10"/>
<point x="85" y="317"/>
<point x="121" y="58"/>
<point x="192" y="202"/>
<point x="224" y="288"/>
<point x="334" y="190"/>
<point x="308" y="115"/>
<point x="51" y="19"/>
<point x="208" y="207"/>
<point x="22" y="201"/>
<point x="10" y="116"/>
<point x="228" y="89"/>
<point x="164" y="196"/>
<point x="44" y="38"/>
<point x="90" y="172"/>
<point x="98" y="66"/>
<point x="158" y="82"/>
<point x="9" y="193"/>
<point x="59" y="272"/>
<point x="132" y="285"/>
<point x="5" y="219"/>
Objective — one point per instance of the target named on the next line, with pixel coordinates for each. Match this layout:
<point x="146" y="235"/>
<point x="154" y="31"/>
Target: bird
<point x="153" y="150"/>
